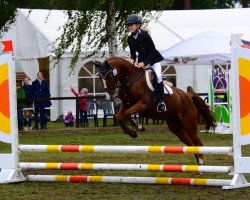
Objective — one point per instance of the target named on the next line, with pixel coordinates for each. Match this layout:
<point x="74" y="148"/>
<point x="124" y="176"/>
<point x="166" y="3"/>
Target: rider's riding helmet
<point x="133" y="18"/>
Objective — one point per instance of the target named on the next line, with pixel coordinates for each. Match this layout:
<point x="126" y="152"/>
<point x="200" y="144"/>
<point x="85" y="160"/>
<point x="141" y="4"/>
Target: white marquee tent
<point x="210" y="47"/>
<point x="32" y="37"/>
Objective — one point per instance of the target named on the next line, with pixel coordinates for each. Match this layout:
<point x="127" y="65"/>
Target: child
<point x="28" y="114"/>
<point x="140" y="42"/>
<point x="69" y="120"/>
<point x="20" y="105"/>
<point x="82" y="106"/>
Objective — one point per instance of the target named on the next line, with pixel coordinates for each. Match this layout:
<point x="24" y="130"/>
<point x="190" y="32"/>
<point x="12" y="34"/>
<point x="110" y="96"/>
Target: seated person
<point x="69" y="120"/>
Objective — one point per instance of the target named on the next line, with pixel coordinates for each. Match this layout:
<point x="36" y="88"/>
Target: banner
<point x="7" y="98"/>
<point x="244" y="85"/>
<point x="240" y="76"/>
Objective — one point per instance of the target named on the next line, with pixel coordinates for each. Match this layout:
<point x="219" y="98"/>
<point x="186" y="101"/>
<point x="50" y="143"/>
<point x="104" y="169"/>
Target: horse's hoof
<point x="132" y="134"/>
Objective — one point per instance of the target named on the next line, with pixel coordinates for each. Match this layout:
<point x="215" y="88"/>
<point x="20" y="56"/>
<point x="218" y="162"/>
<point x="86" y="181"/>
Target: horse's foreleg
<point x="121" y="120"/>
<point x="136" y="108"/>
<point x="137" y="125"/>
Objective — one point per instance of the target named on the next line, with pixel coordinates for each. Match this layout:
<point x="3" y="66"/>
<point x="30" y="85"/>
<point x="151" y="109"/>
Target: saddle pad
<point x="167" y="89"/>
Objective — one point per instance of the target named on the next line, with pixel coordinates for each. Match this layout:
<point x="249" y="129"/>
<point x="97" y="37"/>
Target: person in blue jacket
<point x="40" y="90"/>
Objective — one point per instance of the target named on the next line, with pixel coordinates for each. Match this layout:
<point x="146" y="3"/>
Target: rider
<point x="140" y="41"/>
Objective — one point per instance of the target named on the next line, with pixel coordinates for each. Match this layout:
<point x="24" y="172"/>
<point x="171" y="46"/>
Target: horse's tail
<point x="205" y="112"/>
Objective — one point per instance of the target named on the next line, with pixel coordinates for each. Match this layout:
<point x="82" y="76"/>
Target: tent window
<point x="89" y="78"/>
<point x="169" y="74"/>
<point x="85" y="83"/>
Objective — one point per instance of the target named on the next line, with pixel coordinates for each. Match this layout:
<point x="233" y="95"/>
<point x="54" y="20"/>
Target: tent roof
<point x="169" y="29"/>
<point x="187" y="23"/>
<point x="201" y="49"/>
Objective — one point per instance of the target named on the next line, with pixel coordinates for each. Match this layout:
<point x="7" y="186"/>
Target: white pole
<point x="133" y="180"/>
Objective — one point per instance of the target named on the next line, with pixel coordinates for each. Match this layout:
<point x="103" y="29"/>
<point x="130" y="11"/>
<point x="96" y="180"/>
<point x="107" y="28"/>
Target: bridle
<point x="113" y="71"/>
<point x="127" y="83"/>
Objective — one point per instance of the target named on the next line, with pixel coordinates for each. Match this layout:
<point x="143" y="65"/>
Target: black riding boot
<point x="161" y="107"/>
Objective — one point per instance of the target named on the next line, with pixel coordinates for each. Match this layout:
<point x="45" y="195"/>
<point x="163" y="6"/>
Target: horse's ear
<point x="106" y="63"/>
<point x="98" y="65"/>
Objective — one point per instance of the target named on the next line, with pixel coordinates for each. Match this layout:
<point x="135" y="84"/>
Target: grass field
<point x="154" y="135"/>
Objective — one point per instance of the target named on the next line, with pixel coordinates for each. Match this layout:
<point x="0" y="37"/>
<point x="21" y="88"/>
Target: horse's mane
<point x="121" y="62"/>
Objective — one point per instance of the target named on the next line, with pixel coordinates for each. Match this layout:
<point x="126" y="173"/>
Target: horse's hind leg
<point x="190" y="125"/>
<point x="176" y="127"/>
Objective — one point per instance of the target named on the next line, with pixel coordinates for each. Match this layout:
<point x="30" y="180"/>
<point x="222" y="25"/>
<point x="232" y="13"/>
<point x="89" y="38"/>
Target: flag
<point x="6" y="46"/>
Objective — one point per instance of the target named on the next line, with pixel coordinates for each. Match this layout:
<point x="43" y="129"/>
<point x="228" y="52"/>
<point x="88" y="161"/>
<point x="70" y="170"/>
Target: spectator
<point x="28" y="114"/>
<point x="82" y="106"/>
<point x="20" y="105"/>
<point x="69" y="120"/>
<point x="40" y="90"/>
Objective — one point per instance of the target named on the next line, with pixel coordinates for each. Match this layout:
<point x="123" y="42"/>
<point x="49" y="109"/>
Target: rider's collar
<point x="135" y="34"/>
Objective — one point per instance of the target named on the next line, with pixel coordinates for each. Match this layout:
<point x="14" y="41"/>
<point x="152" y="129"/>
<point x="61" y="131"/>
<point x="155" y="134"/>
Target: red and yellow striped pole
<point x="126" y="167"/>
<point x="126" y="149"/>
<point x="133" y="180"/>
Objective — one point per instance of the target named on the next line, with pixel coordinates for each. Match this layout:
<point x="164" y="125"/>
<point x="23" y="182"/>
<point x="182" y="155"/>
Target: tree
<point x="245" y="3"/>
<point x="100" y="23"/>
<point x="96" y="24"/>
<point x="91" y="24"/>
<point x="8" y="10"/>
<point x="205" y="4"/>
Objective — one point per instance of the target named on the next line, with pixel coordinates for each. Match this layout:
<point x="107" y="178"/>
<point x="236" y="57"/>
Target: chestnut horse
<point x="122" y="78"/>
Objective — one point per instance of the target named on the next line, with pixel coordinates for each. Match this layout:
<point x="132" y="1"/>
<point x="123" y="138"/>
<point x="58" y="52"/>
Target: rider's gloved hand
<point x="141" y="65"/>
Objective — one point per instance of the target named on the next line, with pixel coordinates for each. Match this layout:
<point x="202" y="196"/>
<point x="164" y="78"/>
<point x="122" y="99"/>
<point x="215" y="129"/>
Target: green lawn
<point x="154" y="135"/>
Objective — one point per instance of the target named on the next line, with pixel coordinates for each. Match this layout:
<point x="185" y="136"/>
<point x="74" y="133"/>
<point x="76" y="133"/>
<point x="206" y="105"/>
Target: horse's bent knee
<point x="118" y="119"/>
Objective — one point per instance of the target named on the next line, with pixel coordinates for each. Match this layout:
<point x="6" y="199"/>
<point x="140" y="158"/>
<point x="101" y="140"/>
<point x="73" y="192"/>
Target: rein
<point x="128" y="82"/>
<point x="135" y="77"/>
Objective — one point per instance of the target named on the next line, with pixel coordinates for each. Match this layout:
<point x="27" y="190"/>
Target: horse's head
<point x="108" y="74"/>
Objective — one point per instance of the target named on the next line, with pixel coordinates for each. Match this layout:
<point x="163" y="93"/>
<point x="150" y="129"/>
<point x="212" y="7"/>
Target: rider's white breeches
<point x="157" y="68"/>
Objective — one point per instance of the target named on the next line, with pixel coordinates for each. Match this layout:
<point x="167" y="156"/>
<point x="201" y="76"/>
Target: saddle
<point x="151" y="80"/>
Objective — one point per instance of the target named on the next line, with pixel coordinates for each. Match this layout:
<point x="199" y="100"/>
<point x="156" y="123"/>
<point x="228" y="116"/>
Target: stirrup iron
<point x="161" y="107"/>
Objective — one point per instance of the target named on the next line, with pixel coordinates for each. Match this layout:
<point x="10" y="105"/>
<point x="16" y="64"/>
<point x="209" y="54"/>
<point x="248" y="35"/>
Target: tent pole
<point x="212" y="62"/>
<point x="194" y="78"/>
<point x="170" y="30"/>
